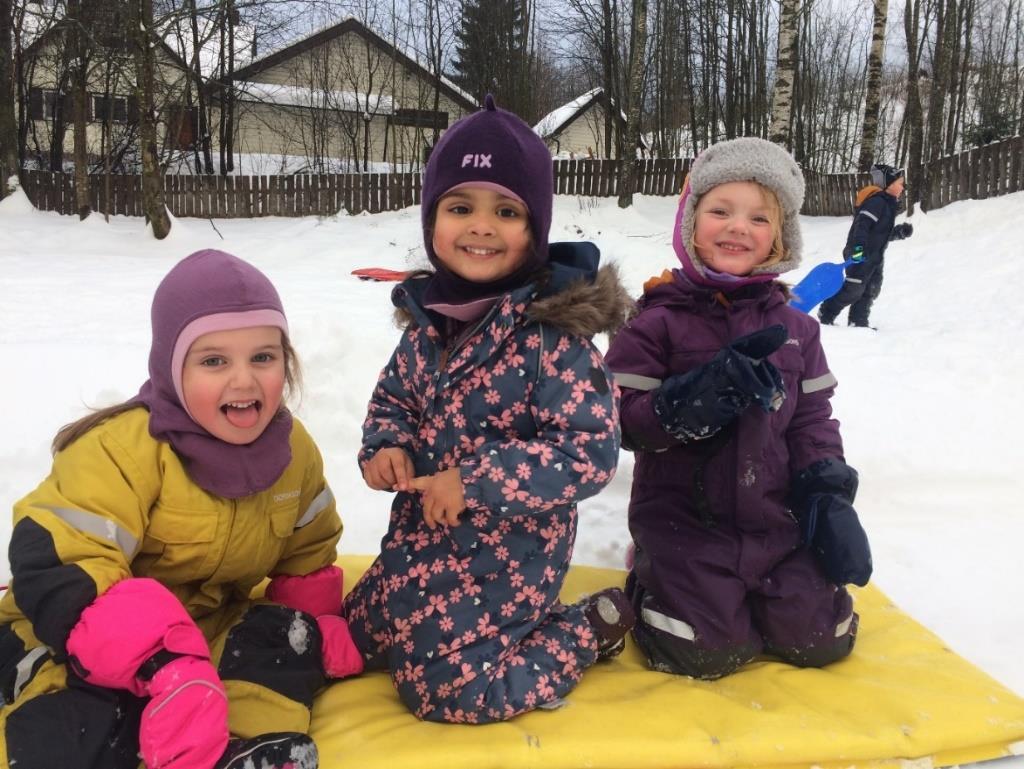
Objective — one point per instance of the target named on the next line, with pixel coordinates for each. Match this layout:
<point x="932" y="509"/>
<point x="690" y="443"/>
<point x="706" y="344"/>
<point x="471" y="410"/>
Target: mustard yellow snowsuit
<point x="119" y="504"/>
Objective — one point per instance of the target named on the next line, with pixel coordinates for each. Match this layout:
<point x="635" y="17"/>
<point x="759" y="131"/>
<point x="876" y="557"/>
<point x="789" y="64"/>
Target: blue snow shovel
<point x="821" y="283"/>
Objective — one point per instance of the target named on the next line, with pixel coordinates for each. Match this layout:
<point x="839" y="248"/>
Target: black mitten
<point x="902" y="231"/>
<point x="823" y="497"/>
<point x="701" y="402"/>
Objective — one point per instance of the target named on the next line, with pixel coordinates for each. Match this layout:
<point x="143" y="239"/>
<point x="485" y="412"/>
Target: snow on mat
<point x="902" y="696"/>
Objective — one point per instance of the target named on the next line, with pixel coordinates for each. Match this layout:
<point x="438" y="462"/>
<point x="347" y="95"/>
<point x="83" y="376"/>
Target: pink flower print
<point x="512" y="356"/>
<point x="491" y="539"/>
<point x="551" y="535"/>
<point x="580" y="390"/>
<point x="459" y="420"/>
<point x="586" y="471"/>
<point x="438" y="604"/>
<point x="524" y="471"/>
<point x="444" y="690"/>
<point x="470" y="446"/>
<point x="564" y="343"/>
<point x="512" y="491"/>
<point x="496" y="474"/>
<point x="484" y="626"/>
<point x="508" y="609"/>
<point x="458" y="565"/>
<point x="421" y="688"/>
<point x="437" y="566"/>
<point x="403" y="630"/>
<point x="499" y="368"/>
<point x="542" y="450"/>
<point x="559" y="422"/>
<point x="569" y="492"/>
<point x="469" y="586"/>
<point x="549" y="574"/>
<point x="491" y="397"/>
<point x="421" y="571"/>
<point x="530" y="699"/>
<point x="519" y="408"/>
<point x="416" y="617"/>
<point x="544" y="689"/>
<point x="569" y="407"/>
<point x="568" y="376"/>
<point x="481" y="376"/>
<point x="480" y="520"/>
<point x="455" y="717"/>
<point x="446" y="624"/>
<point x="468" y="637"/>
<point x="533" y="341"/>
<point x="409" y="647"/>
<point x="598" y="410"/>
<point x="454" y="596"/>
<point x="502" y="422"/>
<point x="420" y="539"/>
<point x="413" y="673"/>
<point x="534" y="503"/>
<point x="551" y="646"/>
<point x="504" y="525"/>
<point x="428" y="434"/>
<point x="516" y="580"/>
<point x="529" y="593"/>
<point x="501" y="553"/>
<point x="530" y="525"/>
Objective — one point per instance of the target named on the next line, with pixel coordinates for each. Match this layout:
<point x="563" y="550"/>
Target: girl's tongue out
<point x="242" y="414"/>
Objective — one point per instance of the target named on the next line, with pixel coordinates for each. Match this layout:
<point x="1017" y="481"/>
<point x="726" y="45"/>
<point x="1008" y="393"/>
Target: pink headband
<point x="222" y="321"/>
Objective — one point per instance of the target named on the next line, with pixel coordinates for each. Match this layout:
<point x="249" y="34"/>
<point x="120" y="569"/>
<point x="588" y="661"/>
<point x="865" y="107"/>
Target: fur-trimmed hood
<point x="571" y="293"/>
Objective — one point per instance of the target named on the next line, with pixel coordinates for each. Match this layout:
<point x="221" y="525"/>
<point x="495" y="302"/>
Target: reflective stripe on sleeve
<point x="322" y="500"/>
<point x="26" y="667"/>
<point x="818" y="383"/>
<point x="668" y="624"/>
<point x="97" y="525"/>
<point x="868" y="213"/>
<point x="636" y="381"/>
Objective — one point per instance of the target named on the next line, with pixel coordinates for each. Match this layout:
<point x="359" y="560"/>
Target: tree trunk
<point x="141" y="20"/>
<point x="913" y="116"/>
<point x="638" y="48"/>
<point x="872" y="99"/>
<point x="8" y="121"/>
<point x="79" y="106"/>
<point x="782" y="96"/>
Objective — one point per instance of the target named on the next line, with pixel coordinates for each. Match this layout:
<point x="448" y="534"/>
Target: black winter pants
<point x="862" y="286"/>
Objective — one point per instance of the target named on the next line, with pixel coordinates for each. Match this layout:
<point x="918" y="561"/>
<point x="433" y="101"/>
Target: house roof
<point x="558" y="120"/>
<point x="42" y="40"/>
<point x="346" y="26"/>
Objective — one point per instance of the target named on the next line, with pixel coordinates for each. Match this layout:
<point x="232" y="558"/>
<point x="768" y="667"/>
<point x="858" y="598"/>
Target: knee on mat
<point x="685" y="658"/>
<point x="826" y="652"/>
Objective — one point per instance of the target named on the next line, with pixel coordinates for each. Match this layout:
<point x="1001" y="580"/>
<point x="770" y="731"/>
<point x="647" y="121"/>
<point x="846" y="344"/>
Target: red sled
<point x="379" y="274"/>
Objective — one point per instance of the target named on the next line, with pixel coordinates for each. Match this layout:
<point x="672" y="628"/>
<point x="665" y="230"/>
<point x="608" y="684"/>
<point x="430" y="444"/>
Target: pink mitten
<point x="185" y="723"/>
<point x="316" y="593"/>
<point x="340" y="655"/>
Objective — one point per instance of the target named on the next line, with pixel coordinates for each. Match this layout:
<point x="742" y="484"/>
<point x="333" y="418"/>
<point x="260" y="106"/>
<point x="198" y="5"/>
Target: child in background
<point x="493" y="418"/>
<point x="741" y="510"/>
<point x="128" y="626"/>
<point x="874" y="225"/>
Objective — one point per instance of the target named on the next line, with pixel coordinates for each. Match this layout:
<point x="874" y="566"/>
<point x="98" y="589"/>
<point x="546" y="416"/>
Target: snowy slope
<point x="927" y="402"/>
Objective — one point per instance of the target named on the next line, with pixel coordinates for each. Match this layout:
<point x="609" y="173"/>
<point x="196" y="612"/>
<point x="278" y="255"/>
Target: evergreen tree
<point x="491" y="53"/>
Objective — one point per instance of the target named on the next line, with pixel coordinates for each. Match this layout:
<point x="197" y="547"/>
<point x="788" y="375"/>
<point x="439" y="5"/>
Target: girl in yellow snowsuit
<point x="128" y="626"/>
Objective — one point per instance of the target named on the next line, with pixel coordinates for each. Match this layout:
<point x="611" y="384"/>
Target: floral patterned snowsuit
<point x="467" y="618"/>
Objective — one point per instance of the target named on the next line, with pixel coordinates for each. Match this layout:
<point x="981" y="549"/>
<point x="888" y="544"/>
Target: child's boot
<point x="281" y="750"/>
<point x="611" y="615"/>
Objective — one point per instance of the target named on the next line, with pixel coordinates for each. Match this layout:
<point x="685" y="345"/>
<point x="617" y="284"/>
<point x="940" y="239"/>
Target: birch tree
<point x="8" y="119"/>
<point x="634" y="105"/>
<point x="785" y="71"/>
<point x="140" y="21"/>
<point x="873" y="95"/>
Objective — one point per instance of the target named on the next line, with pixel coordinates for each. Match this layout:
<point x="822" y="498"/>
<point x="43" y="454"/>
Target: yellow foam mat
<point x="901" y="696"/>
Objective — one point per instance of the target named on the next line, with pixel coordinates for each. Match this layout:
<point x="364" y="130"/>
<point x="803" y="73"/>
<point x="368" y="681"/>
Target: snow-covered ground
<point x="927" y="402"/>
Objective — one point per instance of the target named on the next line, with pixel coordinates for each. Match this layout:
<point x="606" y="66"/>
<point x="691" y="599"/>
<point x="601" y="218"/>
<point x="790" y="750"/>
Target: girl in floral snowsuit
<point x="494" y="416"/>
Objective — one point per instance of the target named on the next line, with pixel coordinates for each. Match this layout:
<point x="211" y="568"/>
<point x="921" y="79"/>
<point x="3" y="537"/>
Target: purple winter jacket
<point x="745" y="478"/>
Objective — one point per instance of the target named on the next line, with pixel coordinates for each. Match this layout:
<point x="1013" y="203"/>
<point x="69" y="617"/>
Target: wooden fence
<point x="996" y="169"/>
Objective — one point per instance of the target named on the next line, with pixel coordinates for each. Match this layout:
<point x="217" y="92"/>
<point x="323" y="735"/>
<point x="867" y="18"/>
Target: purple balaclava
<point x="205" y="292"/>
<point x="494" y="149"/>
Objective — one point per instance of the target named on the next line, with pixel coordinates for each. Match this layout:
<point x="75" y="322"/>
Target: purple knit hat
<point x="205" y="292"/>
<point x="491" y="148"/>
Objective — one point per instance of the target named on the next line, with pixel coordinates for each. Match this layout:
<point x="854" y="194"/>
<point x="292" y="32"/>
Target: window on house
<point x="43" y="104"/>
<point x="420" y="118"/>
<point x="114" y="108"/>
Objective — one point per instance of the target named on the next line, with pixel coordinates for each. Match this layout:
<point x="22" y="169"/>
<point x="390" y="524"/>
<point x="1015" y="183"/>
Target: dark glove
<point x="823" y="503"/>
<point x="701" y="402"/>
<point x="902" y="231"/>
<point x="856" y="253"/>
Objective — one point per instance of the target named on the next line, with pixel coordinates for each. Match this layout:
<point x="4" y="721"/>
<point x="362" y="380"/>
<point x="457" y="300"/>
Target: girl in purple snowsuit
<point x="494" y="416"/>
<point x="741" y="510"/>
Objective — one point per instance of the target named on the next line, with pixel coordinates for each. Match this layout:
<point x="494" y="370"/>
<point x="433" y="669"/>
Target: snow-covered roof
<point x="299" y="96"/>
<point x="554" y="120"/>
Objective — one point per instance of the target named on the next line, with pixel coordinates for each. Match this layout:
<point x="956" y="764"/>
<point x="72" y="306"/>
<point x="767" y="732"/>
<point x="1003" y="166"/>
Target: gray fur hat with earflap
<point x="744" y="160"/>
